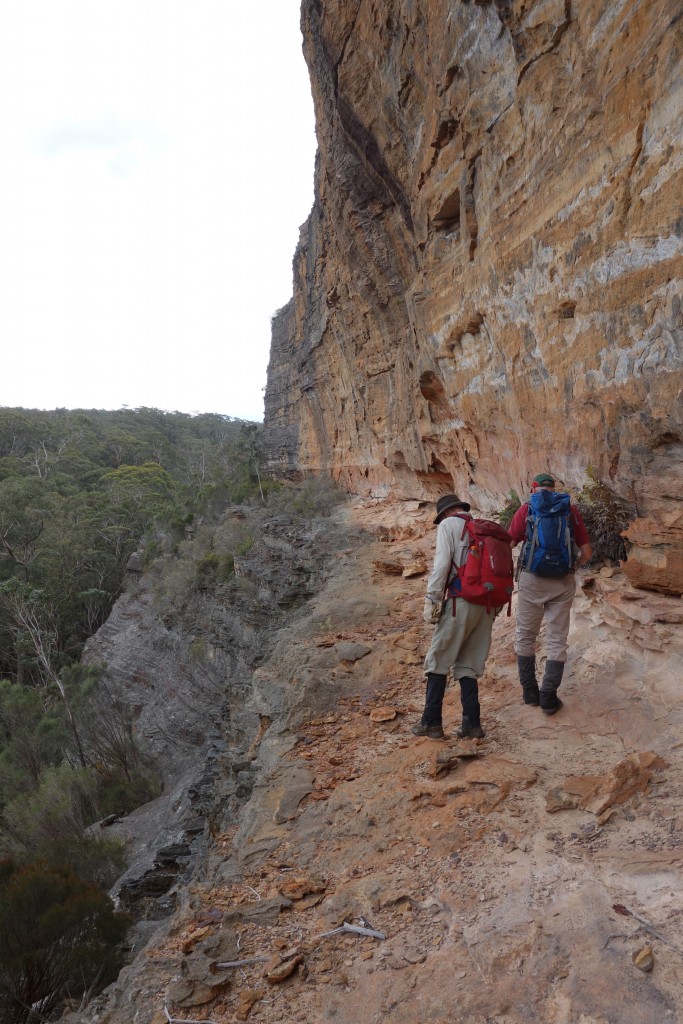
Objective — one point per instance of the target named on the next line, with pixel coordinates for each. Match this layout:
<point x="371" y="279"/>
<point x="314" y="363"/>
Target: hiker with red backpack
<point x="471" y="580"/>
<point x="556" y="542"/>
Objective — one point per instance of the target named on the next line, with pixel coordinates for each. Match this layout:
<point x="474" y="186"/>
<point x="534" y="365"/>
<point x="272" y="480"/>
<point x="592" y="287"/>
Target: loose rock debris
<point x="383" y="714"/>
<point x="598" y="794"/>
<point x="643" y="959"/>
<point x="447" y="852"/>
<point x="449" y="759"/>
<point x="281" y="967"/>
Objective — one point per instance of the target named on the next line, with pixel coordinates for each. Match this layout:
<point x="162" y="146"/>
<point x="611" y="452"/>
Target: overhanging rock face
<point x="490" y="281"/>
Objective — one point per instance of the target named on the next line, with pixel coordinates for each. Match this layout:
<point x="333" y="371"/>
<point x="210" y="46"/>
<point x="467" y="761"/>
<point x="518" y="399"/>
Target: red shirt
<point x="517" y="528"/>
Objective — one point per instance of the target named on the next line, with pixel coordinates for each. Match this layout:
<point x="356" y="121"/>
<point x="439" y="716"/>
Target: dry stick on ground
<point x="346" y="927"/>
<point x="355" y="929"/>
<point x="615" y="935"/>
<point x="177" y="1020"/>
<point x="621" y="909"/>
<point x="471" y="956"/>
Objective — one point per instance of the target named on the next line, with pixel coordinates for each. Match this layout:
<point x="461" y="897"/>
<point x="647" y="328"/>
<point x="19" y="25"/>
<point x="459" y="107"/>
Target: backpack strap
<point x="528" y="547"/>
<point x="453" y="572"/>
<point x="569" y="543"/>
<point x="534" y="542"/>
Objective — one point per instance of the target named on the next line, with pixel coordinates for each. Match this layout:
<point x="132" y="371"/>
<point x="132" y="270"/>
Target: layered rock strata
<point x="490" y="279"/>
<point x="178" y="653"/>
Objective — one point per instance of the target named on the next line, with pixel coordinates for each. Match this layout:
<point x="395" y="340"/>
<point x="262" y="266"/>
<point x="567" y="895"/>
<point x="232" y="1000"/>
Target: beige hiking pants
<point x="460" y="644"/>
<point x="538" y="597"/>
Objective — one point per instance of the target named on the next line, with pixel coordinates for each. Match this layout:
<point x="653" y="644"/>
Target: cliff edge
<point x="534" y="875"/>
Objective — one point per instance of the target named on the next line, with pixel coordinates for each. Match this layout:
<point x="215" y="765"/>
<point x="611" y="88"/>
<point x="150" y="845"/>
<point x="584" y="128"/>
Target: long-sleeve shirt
<point x="451" y="552"/>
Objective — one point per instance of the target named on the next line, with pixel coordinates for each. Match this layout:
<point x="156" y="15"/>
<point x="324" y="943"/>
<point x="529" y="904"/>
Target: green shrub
<point x="96" y="860"/>
<point x="153" y="548"/>
<point x="198" y="648"/>
<point x="32" y="737"/>
<point x="60" y="808"/>
<point x="507" y="512"/>
<point x="606" y="515"/>
<point x="59" y="937"/>
<point x="118" y="793"/>
<point x="315" y="496"/>
<point x="245" y="545"/>
<point x="206" y="570"/>
<point x="52" y="824"/>
<point x="213" y="569"/>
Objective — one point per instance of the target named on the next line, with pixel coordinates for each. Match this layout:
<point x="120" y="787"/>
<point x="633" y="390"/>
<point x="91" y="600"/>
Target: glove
<point x="432" y="612"/>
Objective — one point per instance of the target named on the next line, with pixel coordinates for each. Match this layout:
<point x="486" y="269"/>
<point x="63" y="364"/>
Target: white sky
<point x="156" y="161"/>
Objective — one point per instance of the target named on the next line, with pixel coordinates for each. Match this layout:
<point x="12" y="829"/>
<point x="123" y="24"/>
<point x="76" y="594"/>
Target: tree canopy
<point x="80" y="492"/>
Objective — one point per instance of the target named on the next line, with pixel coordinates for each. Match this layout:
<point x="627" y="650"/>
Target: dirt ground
<point x="530" y="876"/>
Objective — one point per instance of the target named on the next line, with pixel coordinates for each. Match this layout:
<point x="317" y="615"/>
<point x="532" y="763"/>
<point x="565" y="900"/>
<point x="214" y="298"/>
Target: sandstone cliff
<point x="490" y="281"/>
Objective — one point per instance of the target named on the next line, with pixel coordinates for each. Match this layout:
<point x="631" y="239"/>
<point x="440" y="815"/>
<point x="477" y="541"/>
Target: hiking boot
<point x="526" y="666"/>
<point x="432" y="732"/>
<point x="436" y="688"/>
<point x="469" y="698"/>
<point x="550" y="702"/>
<point x="469" y="731"/>
<point x="551" y="705"/>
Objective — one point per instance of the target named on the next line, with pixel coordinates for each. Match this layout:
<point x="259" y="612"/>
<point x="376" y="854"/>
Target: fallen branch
<point x="240" y="963"/>
<point x="471" y="956"/>
<point x="621" y="909"/>
<point x="614" y="935"/>
<point x="346" y="927"/>
<point x="177" y="1020"/>
<point x="355" y="929"/>
<point x="87" y="995"/>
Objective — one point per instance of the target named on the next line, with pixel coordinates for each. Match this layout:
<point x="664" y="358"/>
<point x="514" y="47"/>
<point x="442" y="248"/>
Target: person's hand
<point x="432" y="612"/>
<point x="585" y="555"/>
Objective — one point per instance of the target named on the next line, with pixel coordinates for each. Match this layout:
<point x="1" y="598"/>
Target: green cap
<point x="544" y="480"/>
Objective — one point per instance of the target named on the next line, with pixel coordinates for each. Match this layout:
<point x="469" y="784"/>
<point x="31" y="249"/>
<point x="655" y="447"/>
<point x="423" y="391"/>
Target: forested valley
<point x="86" y="499"/>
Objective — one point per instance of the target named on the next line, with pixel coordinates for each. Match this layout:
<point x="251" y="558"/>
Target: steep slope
<point x="490" y="280"/>
<point x="492" y="868"/>
<point x="179" y="651"/>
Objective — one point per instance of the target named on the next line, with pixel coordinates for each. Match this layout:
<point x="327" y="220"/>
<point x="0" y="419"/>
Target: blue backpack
<point x="549" y="546"/>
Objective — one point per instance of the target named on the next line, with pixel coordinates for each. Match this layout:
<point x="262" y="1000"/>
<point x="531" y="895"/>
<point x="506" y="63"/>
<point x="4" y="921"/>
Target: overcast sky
<point x="156" y="161"/>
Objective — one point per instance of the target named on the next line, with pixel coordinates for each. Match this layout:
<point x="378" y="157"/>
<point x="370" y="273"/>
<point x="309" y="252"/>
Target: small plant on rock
<point x="315" y="496"/>
<point x="606" y="516"/>
<point x="507" y="512"/>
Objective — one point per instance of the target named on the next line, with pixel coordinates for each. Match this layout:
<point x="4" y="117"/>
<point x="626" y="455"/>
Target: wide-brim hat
<point x="449" y="501"/>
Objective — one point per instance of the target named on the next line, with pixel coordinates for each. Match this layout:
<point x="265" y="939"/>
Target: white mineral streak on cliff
<point x="494" y="260"/>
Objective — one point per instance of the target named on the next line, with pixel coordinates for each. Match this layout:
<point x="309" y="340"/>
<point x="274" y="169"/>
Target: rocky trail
<point x="530" y="876"/>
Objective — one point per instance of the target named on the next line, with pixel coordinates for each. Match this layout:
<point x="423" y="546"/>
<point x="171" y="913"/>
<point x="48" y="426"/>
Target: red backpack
<point x="487" y="575"/>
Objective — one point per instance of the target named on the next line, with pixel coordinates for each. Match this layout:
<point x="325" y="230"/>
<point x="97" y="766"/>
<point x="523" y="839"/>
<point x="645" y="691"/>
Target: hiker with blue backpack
<point x="556" y="542"/>
<point x="471" y="580"/>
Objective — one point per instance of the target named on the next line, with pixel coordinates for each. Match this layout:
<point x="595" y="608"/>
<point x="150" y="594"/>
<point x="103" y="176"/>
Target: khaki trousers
<point x="538" y="597"/>
<point x="460" y="644"/>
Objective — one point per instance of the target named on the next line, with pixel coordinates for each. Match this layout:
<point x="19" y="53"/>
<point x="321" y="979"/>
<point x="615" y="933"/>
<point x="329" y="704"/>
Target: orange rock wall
<point x="490" y="281"/>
